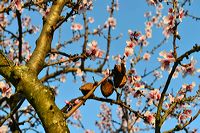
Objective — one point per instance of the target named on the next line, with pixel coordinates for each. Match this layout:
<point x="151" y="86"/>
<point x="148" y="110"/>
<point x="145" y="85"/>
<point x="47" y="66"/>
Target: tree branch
<point x="43" y="44"/>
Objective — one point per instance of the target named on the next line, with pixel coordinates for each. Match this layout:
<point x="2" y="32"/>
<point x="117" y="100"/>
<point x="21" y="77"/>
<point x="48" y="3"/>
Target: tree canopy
<point x="92" y="66"/>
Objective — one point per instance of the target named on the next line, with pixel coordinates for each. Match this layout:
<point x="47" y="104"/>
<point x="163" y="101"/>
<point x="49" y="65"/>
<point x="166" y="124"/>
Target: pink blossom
<point x="142" y="38"/>
<point x="138" y="85"/>
<point x="154" y="19"/>
<point x="117" y="58"/>
<point x="44" y="13"/>
<point x="67" y="102"/>
<point x="77" y="64"/>
<point x="181" y="14"/>
<point x="99" y="53"/>
<point x="128" y="51"/>
<point x="106" y="72"/>
<point x="108" y="8"/>
<point x="18" y="4"/>
<point x="154" y="94"/>
<point x="166" y="105"/>
<point x="147" y="14"/>
<point x="189" y="68"/>
<point x="5" y="89"/>
<point x="86" y="5"/>
<point x="149" y="118"/>
<point x="85" y="1"/>
<point x="148" y="24"/>
<point x="167" y="31"/>
<point x="105" y="116"/>
<point x="53" y="56"/>
<point x="26" y="21"/>
<point x="137" y="78"/>
<point x="131" y="44"/>
<point x="159" y="6"/>
<point x="93" y="50"/>
<point x="76" y="26"/>
<point x="146" y="56"/>
<point x="148" y="33"/>
<point x="176" y="73"/>
<point x="145" y="43"/>
<point x="134" y="34"/>
<point x="62" y="78"/>
<point x="91" y="20"/>
<point x="166" y="60"/>
<point x="170" y="20"/>
<point x="152" y="2"/>
<point x="157" y="74"/>
<point x="79" y="72"/>
<point x="183" y="116"/>
<point x="188" y="87"/>
<point x="93" y="44"/>
<point x="33" y="29"/>
<point x="171" y="98"/>
<point x="179" y="98"/>
<point x="112" y="22"/>
<point x="77" y="101"/>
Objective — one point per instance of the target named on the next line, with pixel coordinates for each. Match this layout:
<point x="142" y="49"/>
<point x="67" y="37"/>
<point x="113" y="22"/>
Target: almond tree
<point x="33" y="68"/>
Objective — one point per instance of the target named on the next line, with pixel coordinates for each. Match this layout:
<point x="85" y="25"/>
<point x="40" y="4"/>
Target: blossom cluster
<point x="85" y="5"/>
<point x="170" y="21"/>
<point x="105" y="116"/>
<point x="168" y="58"/>
<point x="93" y="50"/>
<point x="128" y="124"/>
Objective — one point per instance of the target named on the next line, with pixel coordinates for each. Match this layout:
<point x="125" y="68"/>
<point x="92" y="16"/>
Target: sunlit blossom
<point x="106" y="72"/>
<point x="76" y="26"/>
<point x="166" y="60"/>
<point x="131" y="44"/>
<point x="181" y="14"/>
<point x="189" y="68"/>
<point x="5" y="89"/>
<point x="183" y="116"/>
<point x="128" y="51"/>
<point x="89" y="131"/>
<point x="154" y="94"/>
<point x="171" y="98"/>
<point x="91" y="20"/>
<point x="117" y="58"/>
<point x="93" y="50"/>
<point x="188" y="87"/>
<point x="26" y="21"/>
<point x="18" y="4"/>
<point x="53" y="56"/>
<point x="149" y="117"/>
<point x="146" y="56"/>
<point x="112" y="22"/>
<point x="147" y="14"/>
<point x="62" y="78"/>
<point x="79" y="72"/>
